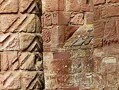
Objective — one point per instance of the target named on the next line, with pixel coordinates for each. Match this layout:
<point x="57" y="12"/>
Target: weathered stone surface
<point x="9" y="41"/>
<point x="30" y="6"/>
<point x="106" y="53"/>
<point x="99" y="2"/>
<point x="46" y="35"/>
<point x="73" y="5"/>
<point x="99" y="27"/>
<point x="20" y="23"/>
<point x="30" y="42"/>
<point x="9" y="6"/>
<point x="112" y="1"/>
<point x="30" y="61"/>
<point x="61" y="17"/>
<point x="11" y="80"/>
<point x="21" y="65"/>
<point x="77" y="19"/>
<point x="53" y="5"/>
<point x="9" y="61"/>
<point x="110" y="11"/>
<point x="32" y="80"/>
<point x="63" y="81"/>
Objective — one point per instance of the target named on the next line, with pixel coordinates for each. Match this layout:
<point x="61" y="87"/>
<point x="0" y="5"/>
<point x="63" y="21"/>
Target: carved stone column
<point x="20" y="45"/>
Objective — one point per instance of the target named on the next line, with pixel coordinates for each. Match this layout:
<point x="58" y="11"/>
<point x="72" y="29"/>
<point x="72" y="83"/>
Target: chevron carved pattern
<point x="21" y="65"/>
<point x="30" y="6"/>
<point x="22" y="23"/>
<point x="9" y="41"/>
<point x="9" y="61"/>
<point x="8" y="6"/>
<point x="32" y="80"/>
<point x="30" y="61"/>
<point x="11" y="80"/>
<point x="30" y="42"/>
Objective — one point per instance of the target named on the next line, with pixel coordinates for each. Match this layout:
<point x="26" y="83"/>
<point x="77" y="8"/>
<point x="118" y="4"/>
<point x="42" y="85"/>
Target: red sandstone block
<point x="111" y="49"/>
<point x="112" y="1"/>
<point x="110" y="10"/>
<point x="64" y="17"/>
<point x="61" y="17"/>
<point x="57" y="67"/>
<point x="99" y="27"/>
<point x="53" y="5"/>
<point x="89" y="18"/>
<point x="46" y="33"/>
<point x="110" y="32"/>
<point x="61" y="5"/>
<point x="73" y="5"/>
<point x="85" y="5"/>
<point x="57" y="37"/>
<point x="48" y="19"/>
<point x="96" y="2"/>
<point x="62" y="55"/>
<point x="62" y="66"/>
<point x="97" y="13"/>
<point x="55" y="17"/>
<point x="46" y="36"/>
<point x="117" y="26"/>
<point x="98" y="42"/>
<point x="9" y="6"/>
<point x="77" y="19"/>
<point x="69" y="31"/>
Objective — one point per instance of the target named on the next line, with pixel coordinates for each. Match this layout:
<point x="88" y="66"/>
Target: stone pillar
<point x="106" y="43"/>
<point x="20" y="45"/>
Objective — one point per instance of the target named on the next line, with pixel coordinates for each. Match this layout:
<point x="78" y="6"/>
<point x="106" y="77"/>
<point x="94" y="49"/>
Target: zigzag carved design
<point x="30" y="6"/>
<point x="34" y="80"/>
<point x="9" y="41"/>
<point x="30" y="42"/>
<point x="30" y="61"/>
<point x="11" y="80"/>
<point x="8" y="6"/>
<point x="23" y="23"/>
<point x="9" y="61"/>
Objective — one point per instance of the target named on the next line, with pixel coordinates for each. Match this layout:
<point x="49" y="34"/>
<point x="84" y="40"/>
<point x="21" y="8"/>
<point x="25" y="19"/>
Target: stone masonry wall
<point x="60" y="19"/>
<point x="106" y="43"/>
<point x="77" y="57"/>
<point x="20" y="45"/>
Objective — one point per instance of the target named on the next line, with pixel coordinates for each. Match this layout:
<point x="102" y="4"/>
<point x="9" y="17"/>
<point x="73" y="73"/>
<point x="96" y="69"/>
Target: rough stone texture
<point x="21" y="65"/>
<point x="106" y="52"/>
<point x="62" y="61"/>
<point x="81" y="44"/>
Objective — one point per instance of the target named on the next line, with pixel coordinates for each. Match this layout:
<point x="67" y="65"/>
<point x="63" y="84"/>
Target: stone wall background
<point x="80" y="44"/>
<point x="20" y="45"/>
<point x="60" y="20"/>
<point x="106" y="43"/>
<point x="76" y="55"/>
